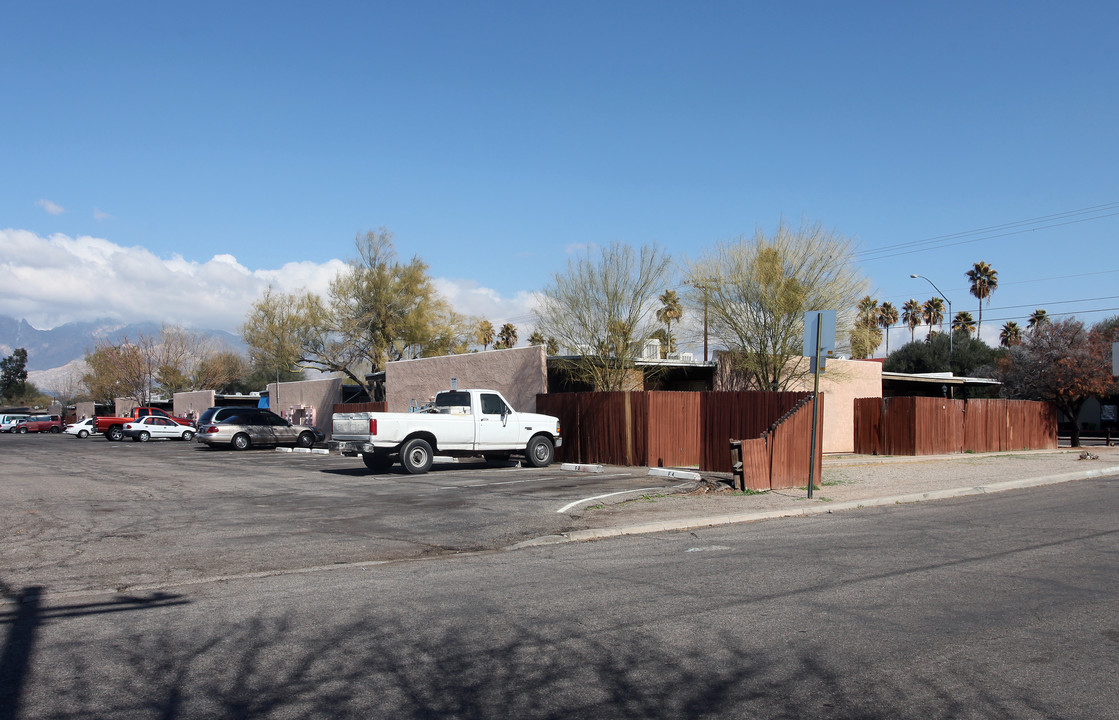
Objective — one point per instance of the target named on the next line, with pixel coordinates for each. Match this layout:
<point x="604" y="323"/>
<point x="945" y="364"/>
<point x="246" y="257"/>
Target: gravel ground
<point x="850" y="479"/>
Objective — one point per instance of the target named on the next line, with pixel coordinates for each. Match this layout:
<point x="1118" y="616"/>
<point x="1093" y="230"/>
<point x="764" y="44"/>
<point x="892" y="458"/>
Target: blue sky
<point x="197" y="152"/>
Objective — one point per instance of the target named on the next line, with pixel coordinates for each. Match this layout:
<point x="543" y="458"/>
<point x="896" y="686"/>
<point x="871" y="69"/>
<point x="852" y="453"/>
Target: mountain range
<point x="49" y="350"/>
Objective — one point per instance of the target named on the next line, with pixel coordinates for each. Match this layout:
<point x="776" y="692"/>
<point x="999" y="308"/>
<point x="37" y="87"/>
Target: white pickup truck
<point x="459" y="423"/>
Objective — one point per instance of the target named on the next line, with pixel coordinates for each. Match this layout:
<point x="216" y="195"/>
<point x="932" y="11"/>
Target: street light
<point x="950" y="320"/>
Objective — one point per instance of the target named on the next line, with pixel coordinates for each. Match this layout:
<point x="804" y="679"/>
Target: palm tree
<point x="984" y="279"/>
<point x="1038" y="318"/>
<point x="484" y="333"/>
<point x="963" y="321"/>
<point x="934" y="312"/>
<point x="507" y="338"/>
<point x="868" y="309"/>
<point x="670" y="311"/>
<point x="536" y="338"/>
<point x="887" y="318"/>
<point x="912" y="314"/>
<point x="1011" y="334"/>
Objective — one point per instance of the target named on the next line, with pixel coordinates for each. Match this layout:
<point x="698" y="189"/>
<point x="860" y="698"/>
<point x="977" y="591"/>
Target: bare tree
<point x="758" y="289"/>
<point x="602" y="309"/>
<point x="158" y="365"/>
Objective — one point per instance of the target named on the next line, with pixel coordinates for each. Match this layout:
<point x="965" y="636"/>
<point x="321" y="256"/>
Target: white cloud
<point x="470" y="298"/>
<point x="57" y="279"/>
<point x="99" y="215"/>
<point x="50" y="207"/>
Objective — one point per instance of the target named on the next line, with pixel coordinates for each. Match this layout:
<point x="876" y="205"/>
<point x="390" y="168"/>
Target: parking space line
<point x="568" y="506"/>
<point x="503" y="482"/>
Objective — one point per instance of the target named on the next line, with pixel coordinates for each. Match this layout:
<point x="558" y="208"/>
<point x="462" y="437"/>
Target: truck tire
<point x="114" y="433"/>
<point x="540" y="451"/>
<point x="377" y="462"/>
<point x="240" y="442"/>
<point x="416" y="456"/>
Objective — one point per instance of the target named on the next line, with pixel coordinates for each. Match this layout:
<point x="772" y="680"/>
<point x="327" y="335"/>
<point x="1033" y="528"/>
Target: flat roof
<point x="939" y="378"/>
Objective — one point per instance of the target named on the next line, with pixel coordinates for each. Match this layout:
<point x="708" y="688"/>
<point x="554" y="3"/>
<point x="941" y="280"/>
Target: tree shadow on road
<point x="431" y="665"/>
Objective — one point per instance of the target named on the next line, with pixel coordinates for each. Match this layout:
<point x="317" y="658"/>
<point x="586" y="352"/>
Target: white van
<point x="8" y="422"/>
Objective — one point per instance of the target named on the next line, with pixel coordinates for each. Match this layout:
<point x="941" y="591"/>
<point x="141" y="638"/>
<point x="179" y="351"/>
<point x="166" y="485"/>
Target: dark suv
<point x="242" y="427"/>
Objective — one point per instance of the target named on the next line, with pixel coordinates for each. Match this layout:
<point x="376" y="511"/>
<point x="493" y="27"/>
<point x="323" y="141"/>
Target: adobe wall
<point x="307" y="402"/>
<point x="841" y="382"/>
<point x="520" y="374"/>
<point x="192" y="404"/>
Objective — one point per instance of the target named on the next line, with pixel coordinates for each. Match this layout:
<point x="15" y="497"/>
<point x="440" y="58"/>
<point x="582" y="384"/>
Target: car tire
<point x="416" y="456"/>
<point x="540" y="452"/>
<point x="143" y="436"/>
<point x="377" y="462"/>
<point x="55" y="429"/>
<point x="240" y="441"/>
<point x="83" y="434"/>
<point x="114" y="434"/>
<point x="22" y="431"/>
<point x="188" y="435"/>
<point x="305" y="440"/>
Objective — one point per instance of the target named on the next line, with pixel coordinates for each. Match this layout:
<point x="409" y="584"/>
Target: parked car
<point x="113" y="427"/>
<point x="81" y="428"/>
<point x="243" y="427"/>
<point x="8" y="422"/>
<point x="39" y="423"/>
<point x="155" y="426"/>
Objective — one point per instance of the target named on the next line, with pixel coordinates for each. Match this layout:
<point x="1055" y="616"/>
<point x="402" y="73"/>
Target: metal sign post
<point x="819" y="337"/>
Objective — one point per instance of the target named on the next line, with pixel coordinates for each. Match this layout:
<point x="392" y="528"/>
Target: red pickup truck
<point x="113" y="427"/>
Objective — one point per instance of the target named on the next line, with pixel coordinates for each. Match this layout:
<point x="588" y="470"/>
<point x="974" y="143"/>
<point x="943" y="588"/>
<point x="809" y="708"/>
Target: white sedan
<point x="82" y="428"/>
<point x="154" y="426"/>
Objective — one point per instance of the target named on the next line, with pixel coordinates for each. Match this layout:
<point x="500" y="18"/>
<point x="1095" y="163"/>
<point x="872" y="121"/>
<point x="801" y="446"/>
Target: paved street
<point x="165" y="580"/>
<point x="995" y="606"/>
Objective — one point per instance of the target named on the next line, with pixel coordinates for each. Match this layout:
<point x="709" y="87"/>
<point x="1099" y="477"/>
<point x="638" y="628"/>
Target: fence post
<point x="737" y="470"/>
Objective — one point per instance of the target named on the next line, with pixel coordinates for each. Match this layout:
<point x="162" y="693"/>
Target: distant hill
<point x="54" y="348"/>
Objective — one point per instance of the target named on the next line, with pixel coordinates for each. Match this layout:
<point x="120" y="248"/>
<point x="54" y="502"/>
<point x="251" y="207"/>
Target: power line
<point x="991" y="231"/>
<point x="861" y="256"/>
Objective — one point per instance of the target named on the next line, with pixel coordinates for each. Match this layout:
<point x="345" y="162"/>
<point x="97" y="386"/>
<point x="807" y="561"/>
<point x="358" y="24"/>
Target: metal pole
<point x="815" y="396"/>
<point x="704" y="323"/>
<point x="951" y="330"/>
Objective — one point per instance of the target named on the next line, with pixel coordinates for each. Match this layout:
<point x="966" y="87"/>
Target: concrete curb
<point x="675" y="474"/>
<point x="717" y="520"/>
<point x="582" y="467"/>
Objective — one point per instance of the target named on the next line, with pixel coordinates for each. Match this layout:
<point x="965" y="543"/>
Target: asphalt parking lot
<point x="79" y="515"/>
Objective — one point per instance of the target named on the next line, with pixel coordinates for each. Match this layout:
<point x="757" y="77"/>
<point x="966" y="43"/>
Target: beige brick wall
<point x="842" y="382"/>
<point x="309" y="402"/>
<point x="520" y="374"/>
<point x="192" y="404"/>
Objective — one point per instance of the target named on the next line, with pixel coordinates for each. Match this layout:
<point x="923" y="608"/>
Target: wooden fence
<point x="779" y="457"/>
<point x="665" y="429"/>
<point x="933" y="426"/>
